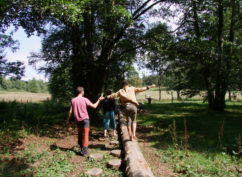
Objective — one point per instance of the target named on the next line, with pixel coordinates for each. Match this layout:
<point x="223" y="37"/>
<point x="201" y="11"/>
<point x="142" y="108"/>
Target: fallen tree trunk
<point x="136" y="165"/>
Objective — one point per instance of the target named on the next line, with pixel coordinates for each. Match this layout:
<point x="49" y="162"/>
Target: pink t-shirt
<point x="79" y="105"/>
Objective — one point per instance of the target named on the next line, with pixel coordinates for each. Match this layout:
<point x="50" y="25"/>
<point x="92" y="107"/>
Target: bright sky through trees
<point x="26" y="45"/>
<point x="33" y="44"/>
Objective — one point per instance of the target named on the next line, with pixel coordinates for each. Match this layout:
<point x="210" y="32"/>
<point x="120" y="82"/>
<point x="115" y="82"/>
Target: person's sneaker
<point x="85" y="151"/>
<point x="78" y="150"/>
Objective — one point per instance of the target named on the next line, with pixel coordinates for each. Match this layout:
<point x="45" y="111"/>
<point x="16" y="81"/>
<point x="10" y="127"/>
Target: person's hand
<point x="152" y="86"/>
<point x="101" y="98"/>
<point x="135" y="103"/>
<point x="68" y="125"/>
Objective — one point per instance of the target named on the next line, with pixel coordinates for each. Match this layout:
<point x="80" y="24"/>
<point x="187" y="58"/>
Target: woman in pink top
<point x="79" y="106"/>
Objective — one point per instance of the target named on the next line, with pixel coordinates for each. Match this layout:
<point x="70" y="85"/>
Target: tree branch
<point x="140" y="8"/>
<point x="136" y="15"/>
<point x="145" y="10"/>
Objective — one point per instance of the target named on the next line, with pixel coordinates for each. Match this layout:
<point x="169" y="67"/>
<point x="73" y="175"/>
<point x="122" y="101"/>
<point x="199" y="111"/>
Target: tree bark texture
<point x="136" y="165"/>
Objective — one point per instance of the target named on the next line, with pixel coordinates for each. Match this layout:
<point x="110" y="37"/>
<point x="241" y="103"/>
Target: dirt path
<point x="32" y="154"/>
<point x="151" y="155"/>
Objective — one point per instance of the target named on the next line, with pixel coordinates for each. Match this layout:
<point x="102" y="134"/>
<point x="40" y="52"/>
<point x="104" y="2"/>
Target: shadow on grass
<point x="35" y="117"/>
<point x="46" y="112"/>
<point x="204" y="127"/>
<point x="20" y="119"/>
<point x="15" y="168"/>
<point x="47" y="118"/>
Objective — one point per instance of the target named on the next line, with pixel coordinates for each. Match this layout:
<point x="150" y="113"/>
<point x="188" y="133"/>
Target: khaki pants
<point x="131" y="113"/>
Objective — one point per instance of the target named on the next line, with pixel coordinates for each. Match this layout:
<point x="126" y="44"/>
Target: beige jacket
<point x="127" y="95"/>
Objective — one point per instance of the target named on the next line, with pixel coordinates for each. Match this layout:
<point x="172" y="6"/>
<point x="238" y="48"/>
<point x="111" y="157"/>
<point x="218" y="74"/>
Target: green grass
<point x="15" y="113"/>
<point x="37" y="163"/>
<point x="19" y="120"/>
<point x="211" y="150"/>
<point x="166" y="95"/>
<point x="37" y="121"/>
<point x="212" y="139"/>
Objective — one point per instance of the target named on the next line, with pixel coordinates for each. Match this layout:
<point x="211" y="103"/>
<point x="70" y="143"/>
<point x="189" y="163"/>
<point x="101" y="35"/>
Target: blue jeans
<point x="109" y="119"/>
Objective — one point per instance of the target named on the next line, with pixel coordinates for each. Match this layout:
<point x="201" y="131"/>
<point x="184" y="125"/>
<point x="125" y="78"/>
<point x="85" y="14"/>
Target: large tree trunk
<point x="215" y="95"/>
<point x="219" y="102"/>
<point x="210" y="99"/>
<point x="178" y="94"/>
<point x="84" y="72"/>
<point x="90" y="61"/>
<point x="159" y="85"/>
<point x="230" y="96"/>
<point x="91" y="80"/>
<point x="222" y="70"/>
<point x="231" y="39"/>
<point x="210" y="90"/>
<point x="159" y="93"/>
<point x="96" y="82"/>
<point x="79" y="67"/>
<point x="195" y="17"/>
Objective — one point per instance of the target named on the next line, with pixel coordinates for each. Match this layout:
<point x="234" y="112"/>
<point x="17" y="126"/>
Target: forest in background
<point x="33" y="85"/>
<point x="195" y="45"/>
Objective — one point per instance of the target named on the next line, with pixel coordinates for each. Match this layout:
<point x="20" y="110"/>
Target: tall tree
<point x="156" y="50"/>
<point x="204" y="35"/>
<point x="133" y="77"/>
<point x="33" y="86"/>
<point x="95" y="28"/>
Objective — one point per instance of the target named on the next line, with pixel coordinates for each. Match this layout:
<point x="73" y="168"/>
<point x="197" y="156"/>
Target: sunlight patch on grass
<point x="190" y="163"/>
<point x="210" y="146"/>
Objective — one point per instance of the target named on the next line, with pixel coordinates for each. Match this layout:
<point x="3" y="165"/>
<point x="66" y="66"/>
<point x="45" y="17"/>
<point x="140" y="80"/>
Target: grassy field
<point x="23" y="96"/>
<point x="28" y="133"/>
<point x="187" y="137"/>
<point x="167" y="95"/>
<point x="193" y="140"/>
<point x="38" y="97"/>
<point x="27" y="130"/>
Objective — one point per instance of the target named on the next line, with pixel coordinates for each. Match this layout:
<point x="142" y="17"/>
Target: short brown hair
<point x="79" y="89"/>
<point x="125" y="82"/>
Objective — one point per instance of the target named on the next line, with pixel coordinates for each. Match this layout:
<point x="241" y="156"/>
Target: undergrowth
<point x="194" y="140"/>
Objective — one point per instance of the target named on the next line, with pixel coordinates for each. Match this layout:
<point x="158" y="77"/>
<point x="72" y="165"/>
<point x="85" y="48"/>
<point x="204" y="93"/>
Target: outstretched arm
<point x="144" y="88"/>
<point x="94" y="106"/>
<point x="113" y="95"/>
<point x="151" y="86"/>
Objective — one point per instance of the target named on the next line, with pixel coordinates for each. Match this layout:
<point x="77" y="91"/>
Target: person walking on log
<point x="130" y="104"/>
<point x="109" y="121"/>
<point x="79" y="106"/>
